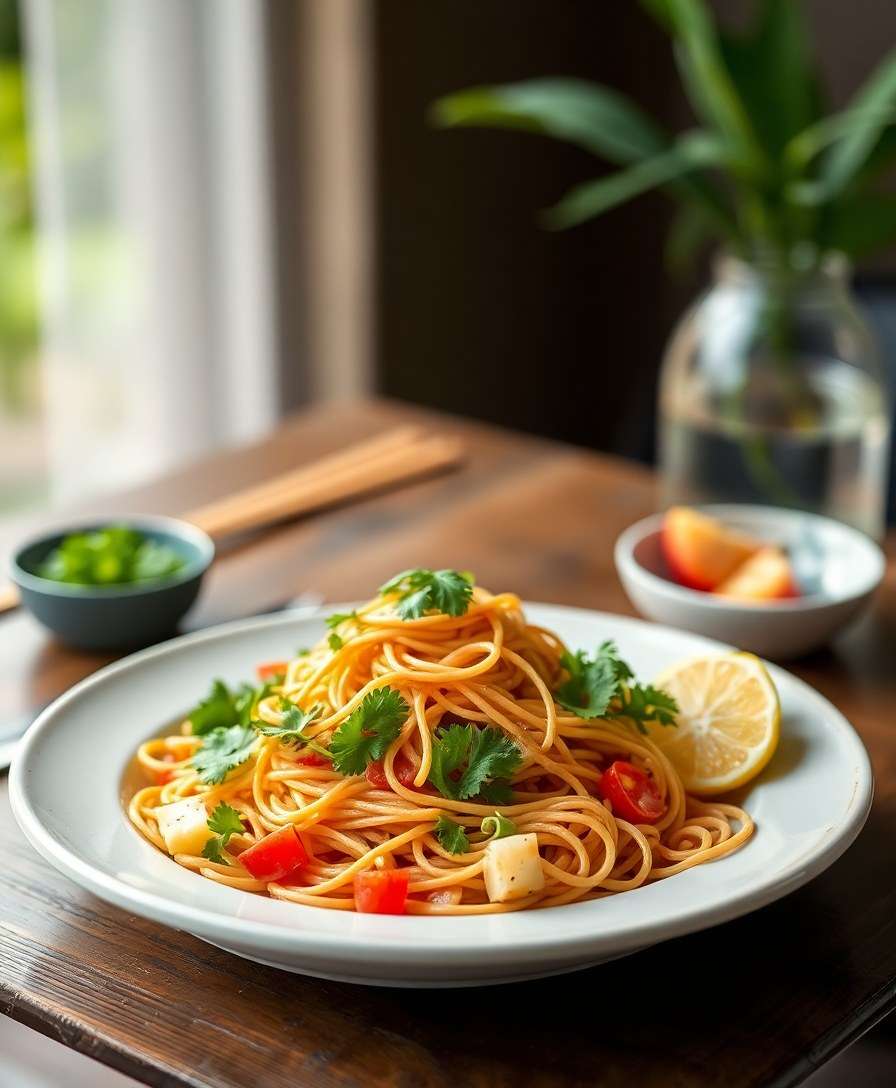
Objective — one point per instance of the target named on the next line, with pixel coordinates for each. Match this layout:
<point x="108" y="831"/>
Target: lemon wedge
<point x="729" y="721"/>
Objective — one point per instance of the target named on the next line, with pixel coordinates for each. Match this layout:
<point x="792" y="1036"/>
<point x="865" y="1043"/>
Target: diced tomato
<point x="632" y="793"/>
<point x="164" y="777"/>
<point x="276" y="855"/>
<point x="381" y="891"/>
<point x="271" y="669"/>
<point x="405" y="772"/>
<point x="311" y="759"/>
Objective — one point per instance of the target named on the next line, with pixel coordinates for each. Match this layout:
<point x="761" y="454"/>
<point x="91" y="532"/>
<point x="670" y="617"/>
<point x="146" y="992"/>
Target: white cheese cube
<point x="184" y="825"/>
<point x="512" y="868"/>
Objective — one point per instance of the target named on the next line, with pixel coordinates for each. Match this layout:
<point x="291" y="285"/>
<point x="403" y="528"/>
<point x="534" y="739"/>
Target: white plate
<point x="65" y="786"/>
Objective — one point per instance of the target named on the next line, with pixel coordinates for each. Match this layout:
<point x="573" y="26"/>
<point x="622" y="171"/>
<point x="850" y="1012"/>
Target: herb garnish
<point x="420" y="591"/>
<point x="451" y="836"/>
<point x="113" y="555"/>
<point x="223" y="749"/>
<point x="599" y="687"/>
<point x="471" y="762"/>
<point x="223" y="707"/>
<point x="224" y="821"/>
<point x="291" y="729"/>
<point x="368" y="731"/>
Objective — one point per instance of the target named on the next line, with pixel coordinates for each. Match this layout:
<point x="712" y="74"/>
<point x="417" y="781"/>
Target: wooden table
<point x="763" y="1000"/>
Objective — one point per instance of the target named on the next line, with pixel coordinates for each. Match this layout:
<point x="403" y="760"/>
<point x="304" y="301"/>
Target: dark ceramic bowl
<point x="114" y="617"/>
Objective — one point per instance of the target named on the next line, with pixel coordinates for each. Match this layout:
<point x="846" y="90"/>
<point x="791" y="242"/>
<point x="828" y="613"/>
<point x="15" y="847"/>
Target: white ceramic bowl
<point x="841" y="567"/>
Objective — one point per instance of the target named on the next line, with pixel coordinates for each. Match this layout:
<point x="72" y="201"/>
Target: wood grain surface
<point x="763" y="1000"/>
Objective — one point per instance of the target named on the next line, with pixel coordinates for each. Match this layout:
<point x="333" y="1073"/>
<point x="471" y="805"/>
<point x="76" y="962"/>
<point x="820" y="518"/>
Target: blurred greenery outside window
<point x="22" y="477"/>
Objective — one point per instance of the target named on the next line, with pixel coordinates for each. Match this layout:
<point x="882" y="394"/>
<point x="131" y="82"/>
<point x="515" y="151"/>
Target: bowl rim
<point x="159" y="523"/>
<point x="629" y="538"/>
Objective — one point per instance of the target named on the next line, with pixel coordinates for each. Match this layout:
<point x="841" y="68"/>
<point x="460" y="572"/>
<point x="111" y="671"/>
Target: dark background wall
<point x="479" y="310"/>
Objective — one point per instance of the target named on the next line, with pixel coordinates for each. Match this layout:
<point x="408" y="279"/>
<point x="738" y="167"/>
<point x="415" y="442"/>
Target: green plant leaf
<point x="692" y="152"/>
<point x="860" y="224"/>
<point x="689" y="231"/>
<point x="852" y="136"/>
<point x="707" y="80"/>
<point x="773" y="70"/>
<point x="596" y="118"/>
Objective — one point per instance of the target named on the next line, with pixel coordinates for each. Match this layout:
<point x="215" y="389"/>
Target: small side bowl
<point x="848" y="567"/>
<point x="114" y="617"/>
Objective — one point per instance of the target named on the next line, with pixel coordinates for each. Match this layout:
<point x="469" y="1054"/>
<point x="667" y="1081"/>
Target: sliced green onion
<point x="497" y="826"/>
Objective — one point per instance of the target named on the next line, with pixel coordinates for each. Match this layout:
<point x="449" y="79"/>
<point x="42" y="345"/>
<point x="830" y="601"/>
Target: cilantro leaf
<point x="451" y="836"/>
<point x="212" y="851"/>
<point x="223" y="749"/>
<point x="420" y="591"/>
<point x="645" y="703"/>
<point x="291" y="729"/>
<point x="340" y="617"/>
<point x="223" y="707"/>
<point x="335" y="642"/>
<point x="599" y="687"/>
<point x="368" y="731"/>
<point x="225" y="821"/>
<point x="497" y="792"/>
<point x="470" y="762"/>
<point x="591" y="684"/>
<point x="214" y="711"/>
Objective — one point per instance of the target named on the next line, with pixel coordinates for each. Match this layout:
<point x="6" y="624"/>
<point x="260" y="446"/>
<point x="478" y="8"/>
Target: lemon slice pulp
<point x="729" y="721"/>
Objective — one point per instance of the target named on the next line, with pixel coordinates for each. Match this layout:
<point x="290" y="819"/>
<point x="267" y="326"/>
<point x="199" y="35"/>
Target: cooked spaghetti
<point x="451" y="753"/>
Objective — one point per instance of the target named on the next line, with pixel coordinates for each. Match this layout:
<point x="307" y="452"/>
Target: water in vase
<point x="833" y="460"/>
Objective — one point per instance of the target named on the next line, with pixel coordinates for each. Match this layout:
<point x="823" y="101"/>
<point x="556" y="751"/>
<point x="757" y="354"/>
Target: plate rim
<point x="414" y="951"/>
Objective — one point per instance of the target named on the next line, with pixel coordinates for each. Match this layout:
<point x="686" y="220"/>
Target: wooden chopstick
<point x="388" y="460"/>
<point x="220" y="512"/>
<point x="302" y="493"/>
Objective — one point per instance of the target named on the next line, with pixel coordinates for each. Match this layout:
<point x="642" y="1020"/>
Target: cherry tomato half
<point x="312" y="759"/>
<point x="632" y="793"/>
<point x="270" y="669"/>
<point x="381" y="891"/>
<point x="405" y="772"/>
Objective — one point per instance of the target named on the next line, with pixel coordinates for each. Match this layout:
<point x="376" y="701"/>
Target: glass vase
<point x="772" y="391"/>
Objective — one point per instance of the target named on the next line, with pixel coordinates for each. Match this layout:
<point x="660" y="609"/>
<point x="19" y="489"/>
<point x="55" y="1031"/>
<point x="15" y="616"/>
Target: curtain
<point x="152" y="162"/>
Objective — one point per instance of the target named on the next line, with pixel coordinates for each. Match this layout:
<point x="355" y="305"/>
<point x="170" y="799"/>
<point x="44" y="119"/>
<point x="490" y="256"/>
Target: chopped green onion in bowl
<point x="113" y="555"/>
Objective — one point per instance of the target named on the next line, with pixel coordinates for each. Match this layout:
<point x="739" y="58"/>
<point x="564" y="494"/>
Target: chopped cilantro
<point x="645" y="703"/>
<point x="291" y="729"/>
<point x="223" y="707"/>
<point x="340" y="617"/>
<point x="212" y="851"/>
<point x="591" y="684"/>
<point x="224" y="821"/>
<point x="451" y="836"/>
<point x="470" y="762"/>
<point x="368" y="731"/>
<point x="223" y="749"/>
<point x="420" y="591"/>
<point x="113" y="555"/>
<point x="335" y="642"/>
<point x="599" y="687"/>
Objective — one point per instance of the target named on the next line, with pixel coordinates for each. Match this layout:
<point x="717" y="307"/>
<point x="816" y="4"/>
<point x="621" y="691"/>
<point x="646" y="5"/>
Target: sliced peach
<point x="765" y="576"/>
<point x="700" y="552"/>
